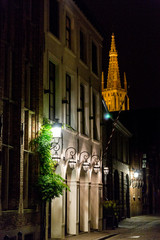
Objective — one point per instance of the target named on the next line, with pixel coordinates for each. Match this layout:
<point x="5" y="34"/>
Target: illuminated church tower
<point x="114" y="95"/>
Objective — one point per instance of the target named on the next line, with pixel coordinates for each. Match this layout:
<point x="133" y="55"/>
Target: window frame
<point x="68" y="32"/>
<point x="68" y="98"/>
<point x="52" y="90"/>
<point x="82" y="106"/>
<point x="54" y="18"/>
<point x="94" y="58"/>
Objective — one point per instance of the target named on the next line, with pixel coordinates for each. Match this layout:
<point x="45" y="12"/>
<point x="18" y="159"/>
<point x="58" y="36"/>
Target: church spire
<point x="113" y="46"/>
<point x="115" y="96"/>
<point x="113" y="80"/>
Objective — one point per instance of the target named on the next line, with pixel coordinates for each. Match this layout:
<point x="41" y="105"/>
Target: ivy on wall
<point x="49" y="185"/>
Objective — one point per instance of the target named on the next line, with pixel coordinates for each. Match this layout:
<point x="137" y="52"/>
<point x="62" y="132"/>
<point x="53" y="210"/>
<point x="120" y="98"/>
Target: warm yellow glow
<point x="114" y="95"/>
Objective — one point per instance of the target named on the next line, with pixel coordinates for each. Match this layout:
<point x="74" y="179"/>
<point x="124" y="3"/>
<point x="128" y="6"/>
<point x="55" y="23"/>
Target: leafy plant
<point x="49" y="184"/>
<point x="111" y="208"/>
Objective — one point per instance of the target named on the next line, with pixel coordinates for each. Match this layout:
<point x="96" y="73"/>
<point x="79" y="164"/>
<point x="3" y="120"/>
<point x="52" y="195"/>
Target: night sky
<point x="136" y="25"/>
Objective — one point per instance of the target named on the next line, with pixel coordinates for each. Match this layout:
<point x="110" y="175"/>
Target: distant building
<point x="116" y="156"/>
<point x="114" y="95"/>
<point x="145" y="159"/>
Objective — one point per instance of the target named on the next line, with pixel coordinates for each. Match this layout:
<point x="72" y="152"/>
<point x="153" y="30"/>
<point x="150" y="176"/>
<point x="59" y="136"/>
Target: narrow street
<point x="142" y="228"/>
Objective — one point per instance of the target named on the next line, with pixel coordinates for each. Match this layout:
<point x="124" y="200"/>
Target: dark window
<point x="54" y="17"/>
<point x="68" y="97"/>
<point x="82" y="47"/>
<point x="9" y="179"/>
<point x="121" y="148"/>
<point x="95" y="135"/>
<point x="6" y="72"/>
<point x="68" y="32"/>
<point x="116" y="186"/>
<point x="29" y="236"/>
<point x="122" y="192"/>
<point x="29" y="87"/>
<point x="82" y="106"/>
<point x="94" y="59"/>
<point x="52" y="69"/>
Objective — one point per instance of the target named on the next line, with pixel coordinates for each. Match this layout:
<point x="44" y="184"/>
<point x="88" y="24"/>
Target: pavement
<point x="123" y="226"/>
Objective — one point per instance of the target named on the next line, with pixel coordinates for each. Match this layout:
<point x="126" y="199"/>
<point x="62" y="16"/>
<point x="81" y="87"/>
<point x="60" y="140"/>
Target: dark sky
<point x="136" y="25"/>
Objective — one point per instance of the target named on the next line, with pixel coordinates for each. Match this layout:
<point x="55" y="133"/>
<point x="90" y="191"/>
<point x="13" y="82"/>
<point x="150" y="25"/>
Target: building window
<point x="52" y="69"/>
<point x="29" y="89"/>
<point x="9" y="179"/>
<point x="94" y="59"/>
<point x="68" y="32"/>
<point x="54" y="17"/>
<point x="82" y="47"/>
<point x="95" y="134"/>
<point x="82" y="106"/>
<point x="68" y="98"/>
<point x="28" y="180"/>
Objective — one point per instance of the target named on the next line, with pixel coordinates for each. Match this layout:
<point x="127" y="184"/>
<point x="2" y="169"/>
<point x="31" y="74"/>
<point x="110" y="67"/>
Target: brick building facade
<point x="21" y="54"/>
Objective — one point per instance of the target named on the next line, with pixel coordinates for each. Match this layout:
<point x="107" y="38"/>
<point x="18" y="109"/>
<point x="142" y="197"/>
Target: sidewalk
<point x="123" y="226"/>
<point x="94" y="235"/>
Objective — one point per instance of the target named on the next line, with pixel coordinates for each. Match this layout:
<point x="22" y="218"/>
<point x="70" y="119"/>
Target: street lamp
<point x="56" y="130"/>
<point x="136" y="179"/>
<point x="106" y="170"/>
<point x="96" y="166"/>
<point x="70" y="153"/>
<point x="135" y="174"/>
<point x="56" y="135"/>
<point x="85" y="156"/>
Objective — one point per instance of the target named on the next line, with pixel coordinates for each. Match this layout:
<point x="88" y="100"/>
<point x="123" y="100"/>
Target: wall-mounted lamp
<point x="56" y="134"/>
<point x="85" y="156"/>
<point x="54" y="150"/>
<point x="136" y="179"/>
<point x="106" y="170"/>
<point x="135" y="174"/>
<point x="96" y="163"/>
<point x="56" y="130"/>
<point x="69" y="156"/>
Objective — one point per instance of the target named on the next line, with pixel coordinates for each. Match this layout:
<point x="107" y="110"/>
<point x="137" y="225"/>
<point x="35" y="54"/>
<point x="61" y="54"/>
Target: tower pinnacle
<point x="114" y="95"/>
<point x="113" y="80"/>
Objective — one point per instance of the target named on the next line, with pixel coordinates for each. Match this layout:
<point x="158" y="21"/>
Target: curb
<point x="107" y="236"/>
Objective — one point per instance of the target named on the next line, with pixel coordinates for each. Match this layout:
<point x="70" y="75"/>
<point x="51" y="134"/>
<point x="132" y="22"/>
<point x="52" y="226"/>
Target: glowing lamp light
<point x="56" y="130"/>
<point x="106" y="170"/>
<point x="96" y="168"/>
<point x="107" y="116"/>
<point x="86" y="166"/>
<point x="72" y="163"/>
<point x="135" y="174"/>
<point x="56" y="158"/>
